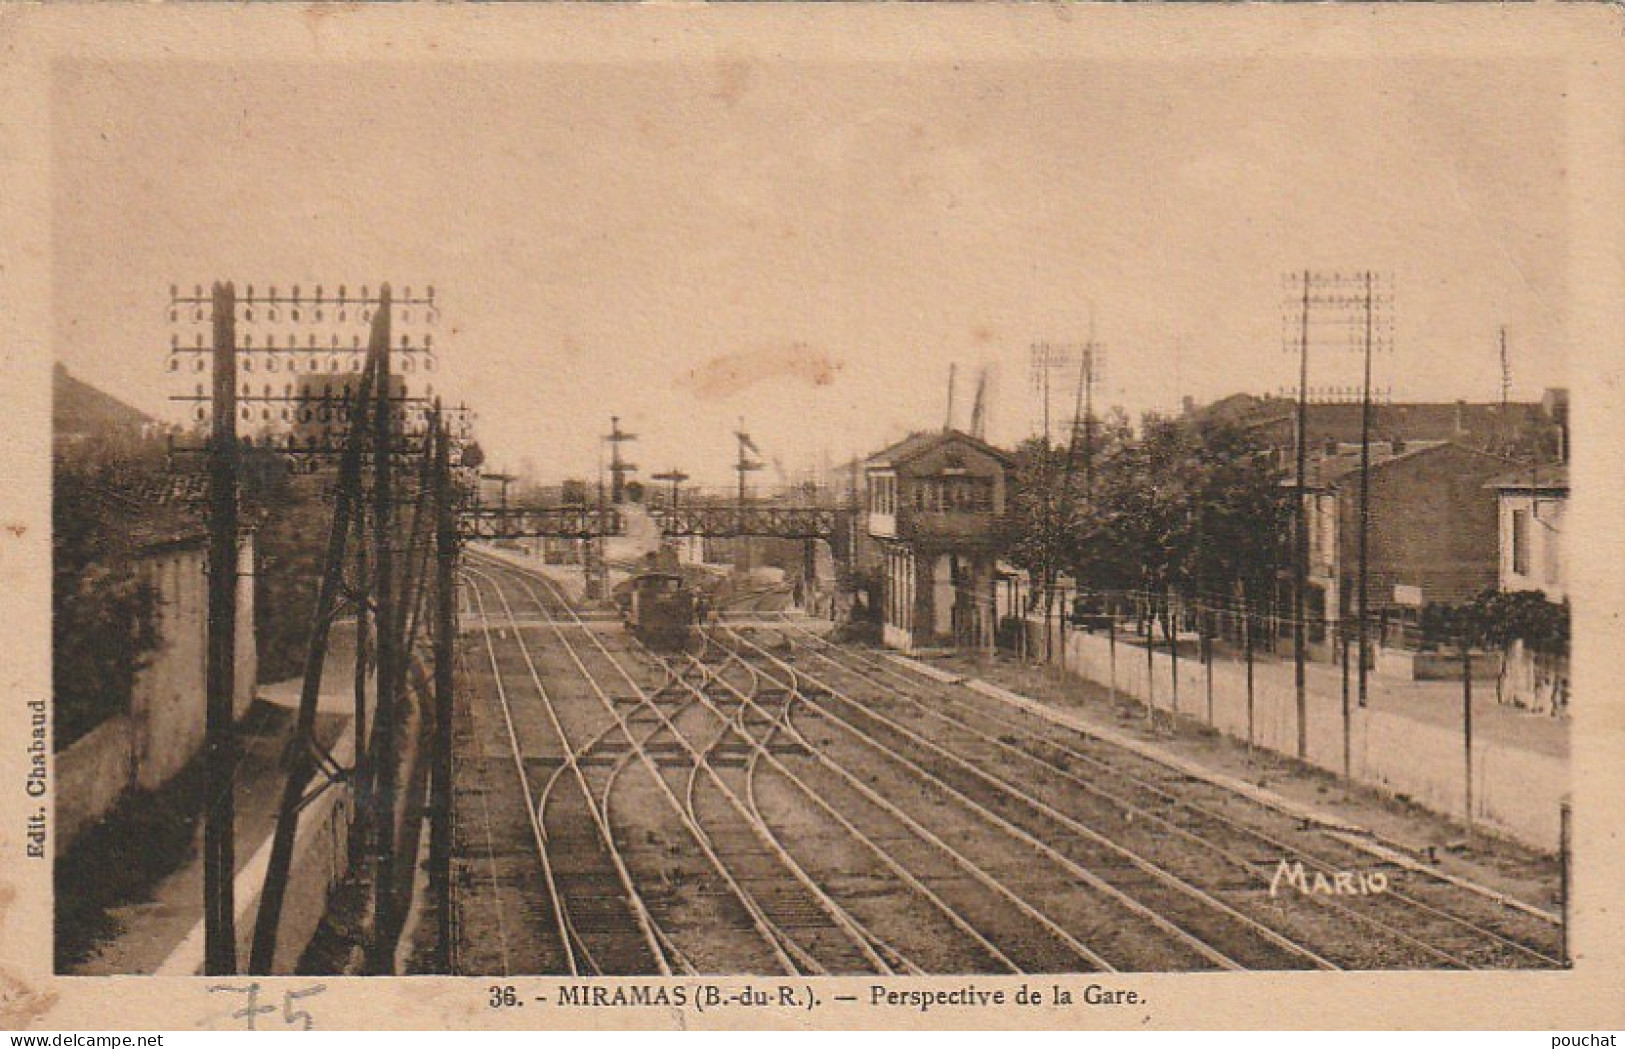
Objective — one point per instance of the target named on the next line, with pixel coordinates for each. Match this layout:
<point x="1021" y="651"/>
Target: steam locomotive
<point x="660" y="609"/>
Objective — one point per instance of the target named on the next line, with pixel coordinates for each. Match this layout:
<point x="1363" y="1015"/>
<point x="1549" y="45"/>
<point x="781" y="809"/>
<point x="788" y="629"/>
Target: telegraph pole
<point x="1300" y="554"/>
<point x="445" y="654"/>
<point x="1365" y="491"/>
<point x="503" y="480"/>
<point x="220" y="755"/>
<point x="1045" y="357"/>
<point x="320" y="427"/>
<point x="303" y="759"/>
<point x="382" y="957"/>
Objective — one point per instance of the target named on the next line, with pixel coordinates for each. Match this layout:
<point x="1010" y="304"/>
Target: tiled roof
<point x="1327" y="471"/>
<point x="918" y="443"/>
<point x="1544" y="477"/>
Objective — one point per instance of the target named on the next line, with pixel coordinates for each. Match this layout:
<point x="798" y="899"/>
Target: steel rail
<point x="540" y="806"/>
<point x="762" y="925"/>
<point x="1154" y="871"/>
<point x="538" y="837"/>
<point x="640" y="913"/>
<point x="759" y="750"/>
<point x="575" y="753"/>
<point x="1182" y="832"/>
<point x="700" y="760"/>
<point x="965" y="863"/>
<point x="1257" y="834"/>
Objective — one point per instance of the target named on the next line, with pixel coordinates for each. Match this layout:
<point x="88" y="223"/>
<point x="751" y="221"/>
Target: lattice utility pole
<point x="313" y="401"/>
<point x="447" y="550"/>
<point x="1343" y="311"/>
<point x="1045" y="358"/>
<point x="220" y="755"/>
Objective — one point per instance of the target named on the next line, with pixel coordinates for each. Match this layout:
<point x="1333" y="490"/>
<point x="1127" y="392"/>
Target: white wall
<point x="1548" y="564"/>
<point x="1515" y="792"/>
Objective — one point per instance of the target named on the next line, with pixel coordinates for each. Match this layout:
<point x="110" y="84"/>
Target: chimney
<point x="1461" y="417"/>
<point x="1189" y="404"/>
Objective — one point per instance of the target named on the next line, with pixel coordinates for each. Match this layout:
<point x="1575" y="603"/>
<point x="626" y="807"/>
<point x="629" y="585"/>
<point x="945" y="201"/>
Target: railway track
<point x="1419" y="920"/>
<point x="593" y="896"/>
<point x="769" y="801"/>
<point x="1181" y="928"/>
<point x="1045" y="943"/>
<point x="675" y="750"/>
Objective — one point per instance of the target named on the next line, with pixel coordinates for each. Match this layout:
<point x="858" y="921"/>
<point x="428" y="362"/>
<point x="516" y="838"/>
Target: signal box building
<point x="935" y="502"/>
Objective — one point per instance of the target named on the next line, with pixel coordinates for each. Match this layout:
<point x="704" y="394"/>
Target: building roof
<point x="162" y="527"/>
<point x="80" y="409"/>
<point x="1412" y="421"/>
<point x="1553" y="477"/>
<point x="1329" y="471"/>
<point x="917" y="444"/>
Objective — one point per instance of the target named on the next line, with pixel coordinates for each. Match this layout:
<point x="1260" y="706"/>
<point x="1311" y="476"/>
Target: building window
<point x="884" y="500"/>
<point x="967" y="494"/>
<point x="1520" y="542"/>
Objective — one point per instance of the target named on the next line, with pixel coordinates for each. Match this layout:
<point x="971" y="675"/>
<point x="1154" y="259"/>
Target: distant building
<point x="1532" y="508"/>
<point x="934" y="505"/>
<point x="1481" y="425"/>
<point x="1432" y="533"/>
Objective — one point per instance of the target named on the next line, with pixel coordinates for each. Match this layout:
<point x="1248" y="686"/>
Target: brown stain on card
<point x="731" y="373"/>
<point x="733" y="73"/>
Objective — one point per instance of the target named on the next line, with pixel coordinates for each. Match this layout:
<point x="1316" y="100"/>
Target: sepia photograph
<point x="989" y="507"/>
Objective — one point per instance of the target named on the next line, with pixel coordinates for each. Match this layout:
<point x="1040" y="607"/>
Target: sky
<point x="808" y="245"/>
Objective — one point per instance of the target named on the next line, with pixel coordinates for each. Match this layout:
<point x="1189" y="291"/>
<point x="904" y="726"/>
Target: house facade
<point x="1532" y="507"/>
<point x="1432" y="532"/>
<point x="934" y="506"/>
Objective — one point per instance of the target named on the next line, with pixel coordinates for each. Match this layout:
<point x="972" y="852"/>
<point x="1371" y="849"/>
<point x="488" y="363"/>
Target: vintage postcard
<point x="790" y="516"/>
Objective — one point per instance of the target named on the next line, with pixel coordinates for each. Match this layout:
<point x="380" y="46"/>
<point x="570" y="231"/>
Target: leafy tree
<point x="1192" y="508"/>
<point x="1501" y="618"/>
<point x="104" y="616"/>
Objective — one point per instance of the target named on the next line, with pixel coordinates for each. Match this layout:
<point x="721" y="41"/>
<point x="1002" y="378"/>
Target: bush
<point x="104" y="617"/>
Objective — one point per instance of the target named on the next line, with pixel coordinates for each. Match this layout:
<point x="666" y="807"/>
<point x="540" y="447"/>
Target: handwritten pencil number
<point x="246" y="1017"/>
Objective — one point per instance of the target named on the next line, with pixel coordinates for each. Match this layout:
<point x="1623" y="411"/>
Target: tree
<point x="1192" y="508"/>
<point x="104" y="616"/>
